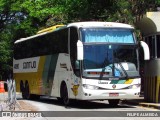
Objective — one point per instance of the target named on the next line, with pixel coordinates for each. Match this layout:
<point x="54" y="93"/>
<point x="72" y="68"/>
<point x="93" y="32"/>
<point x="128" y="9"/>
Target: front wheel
<point x="64" y="94"/>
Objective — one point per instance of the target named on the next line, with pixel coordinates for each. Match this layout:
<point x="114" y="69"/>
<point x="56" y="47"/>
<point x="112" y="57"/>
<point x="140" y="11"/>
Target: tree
<point x="5" y="54"/>
<point x="22" y="18"/>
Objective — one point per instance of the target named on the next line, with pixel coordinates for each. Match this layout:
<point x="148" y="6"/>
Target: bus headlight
<point x="92" y="87"/>
<point x="135" y="86"/>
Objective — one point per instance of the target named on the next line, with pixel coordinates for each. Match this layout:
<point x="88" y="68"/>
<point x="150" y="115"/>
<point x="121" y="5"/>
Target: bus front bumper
<point x="88" y="94"/>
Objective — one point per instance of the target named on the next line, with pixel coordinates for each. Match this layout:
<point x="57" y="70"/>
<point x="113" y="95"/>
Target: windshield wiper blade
<point x="125" y="72"/>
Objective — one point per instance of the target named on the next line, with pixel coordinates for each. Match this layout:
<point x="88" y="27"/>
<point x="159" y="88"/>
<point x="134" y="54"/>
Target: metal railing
<point x="11" y="101"/>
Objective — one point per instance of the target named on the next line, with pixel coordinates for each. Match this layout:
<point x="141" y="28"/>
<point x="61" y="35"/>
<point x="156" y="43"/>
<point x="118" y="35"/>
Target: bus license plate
<point x="113" y="94"/>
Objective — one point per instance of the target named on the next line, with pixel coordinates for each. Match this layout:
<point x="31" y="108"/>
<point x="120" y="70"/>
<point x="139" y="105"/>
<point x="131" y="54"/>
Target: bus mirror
<point x="146" y="50"/>
<point x="79" y="50"/>
<point x="77" y="64"/>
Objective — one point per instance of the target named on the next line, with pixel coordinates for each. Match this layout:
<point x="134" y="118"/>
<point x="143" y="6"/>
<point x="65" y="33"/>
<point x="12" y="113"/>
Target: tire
<point x="27" y="91"/>
<point x="113" y="102"/>
<point x="22" y="89"/>
<point x="64" y="94"/>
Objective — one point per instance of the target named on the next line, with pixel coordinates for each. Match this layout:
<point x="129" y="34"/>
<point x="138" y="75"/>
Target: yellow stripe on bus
<point x="34" y="78"/>
<point x="129" y="81"/>
<point x="41" y="64"/>
<point x="41" y="70"/>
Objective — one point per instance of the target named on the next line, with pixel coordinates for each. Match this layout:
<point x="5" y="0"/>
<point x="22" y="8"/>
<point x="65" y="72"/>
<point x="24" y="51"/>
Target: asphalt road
<point x="95" y="110"/>
<point x="52" y="104"/>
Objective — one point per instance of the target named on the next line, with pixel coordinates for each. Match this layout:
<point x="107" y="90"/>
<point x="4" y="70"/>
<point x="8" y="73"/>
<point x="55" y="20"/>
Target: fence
<point x="152" y="81"/>
<point x="11" y="101"/>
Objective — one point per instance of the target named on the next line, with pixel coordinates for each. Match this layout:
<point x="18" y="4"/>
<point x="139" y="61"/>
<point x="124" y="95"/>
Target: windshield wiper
<point x="104" y="68"/>
<point x="117" y="60"/>
<point x="125" y="72"/>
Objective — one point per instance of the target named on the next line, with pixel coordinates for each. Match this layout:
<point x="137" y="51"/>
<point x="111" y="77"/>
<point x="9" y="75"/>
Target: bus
<point x="82" y="61"/>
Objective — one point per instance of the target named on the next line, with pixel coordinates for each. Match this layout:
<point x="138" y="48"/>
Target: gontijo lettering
<point x="28" y="65"/>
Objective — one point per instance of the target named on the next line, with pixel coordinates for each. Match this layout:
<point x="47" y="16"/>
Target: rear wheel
<point x="27" y="91"/>
<point x="113" y="102"/>
<point x="22" y="89"/>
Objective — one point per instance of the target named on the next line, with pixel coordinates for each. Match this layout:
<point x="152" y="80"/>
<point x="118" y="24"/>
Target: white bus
<point x="84" y="61"/>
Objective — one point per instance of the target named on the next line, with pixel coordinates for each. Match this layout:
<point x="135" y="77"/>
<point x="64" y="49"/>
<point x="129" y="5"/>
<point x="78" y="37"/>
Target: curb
<point x="150" y="105"/>
<point x="142" y="103"/>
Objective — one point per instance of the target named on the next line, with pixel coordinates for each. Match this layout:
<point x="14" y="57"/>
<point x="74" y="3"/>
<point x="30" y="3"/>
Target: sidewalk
<point x="6" y="106"/>
<point x="142" y="102"/>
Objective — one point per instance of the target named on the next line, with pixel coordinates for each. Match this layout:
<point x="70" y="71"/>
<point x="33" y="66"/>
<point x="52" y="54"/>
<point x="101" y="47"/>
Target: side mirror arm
<point x="79" y="50"/>
<point x="146" y="50"/>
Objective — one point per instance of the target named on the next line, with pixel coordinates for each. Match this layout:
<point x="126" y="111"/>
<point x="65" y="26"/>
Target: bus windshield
<point x="105" y="59"/>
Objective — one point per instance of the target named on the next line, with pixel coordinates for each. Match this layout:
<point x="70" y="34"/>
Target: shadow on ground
<point x="78" y="104"/>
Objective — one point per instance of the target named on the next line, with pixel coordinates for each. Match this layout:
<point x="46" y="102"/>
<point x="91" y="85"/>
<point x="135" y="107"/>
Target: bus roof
<point x="42" y="32"/>
<point x="27" y="38"/>
<point x="78" y="25"/>
<point x="50" y="29"/>
<point x="100" y="24"/>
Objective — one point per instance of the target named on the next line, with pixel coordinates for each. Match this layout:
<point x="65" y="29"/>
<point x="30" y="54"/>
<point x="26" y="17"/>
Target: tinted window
<point x="52" y="43"/>
<point x="73" y="49"/>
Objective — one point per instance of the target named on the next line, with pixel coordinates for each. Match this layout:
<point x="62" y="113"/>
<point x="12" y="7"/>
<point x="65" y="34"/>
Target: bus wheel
<point x="64" y="94"/>
<point x="22" y="89"/>
<point x="113" y="102"/>
<point x="27" y="91"/>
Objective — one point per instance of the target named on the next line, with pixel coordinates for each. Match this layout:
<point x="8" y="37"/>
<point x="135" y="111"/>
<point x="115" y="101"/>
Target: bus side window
<point x="73" y="50"/>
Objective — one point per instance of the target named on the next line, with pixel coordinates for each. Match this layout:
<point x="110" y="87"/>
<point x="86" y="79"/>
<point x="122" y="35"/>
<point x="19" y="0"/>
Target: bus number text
<point x="16" y="66"/>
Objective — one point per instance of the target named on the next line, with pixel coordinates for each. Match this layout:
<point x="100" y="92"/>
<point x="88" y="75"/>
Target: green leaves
<point x="22" y="18"/>
<point x="5" y="53"/>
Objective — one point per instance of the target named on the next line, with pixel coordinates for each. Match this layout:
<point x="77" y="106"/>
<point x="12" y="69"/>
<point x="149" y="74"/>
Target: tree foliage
<point x="22" y="18"/>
